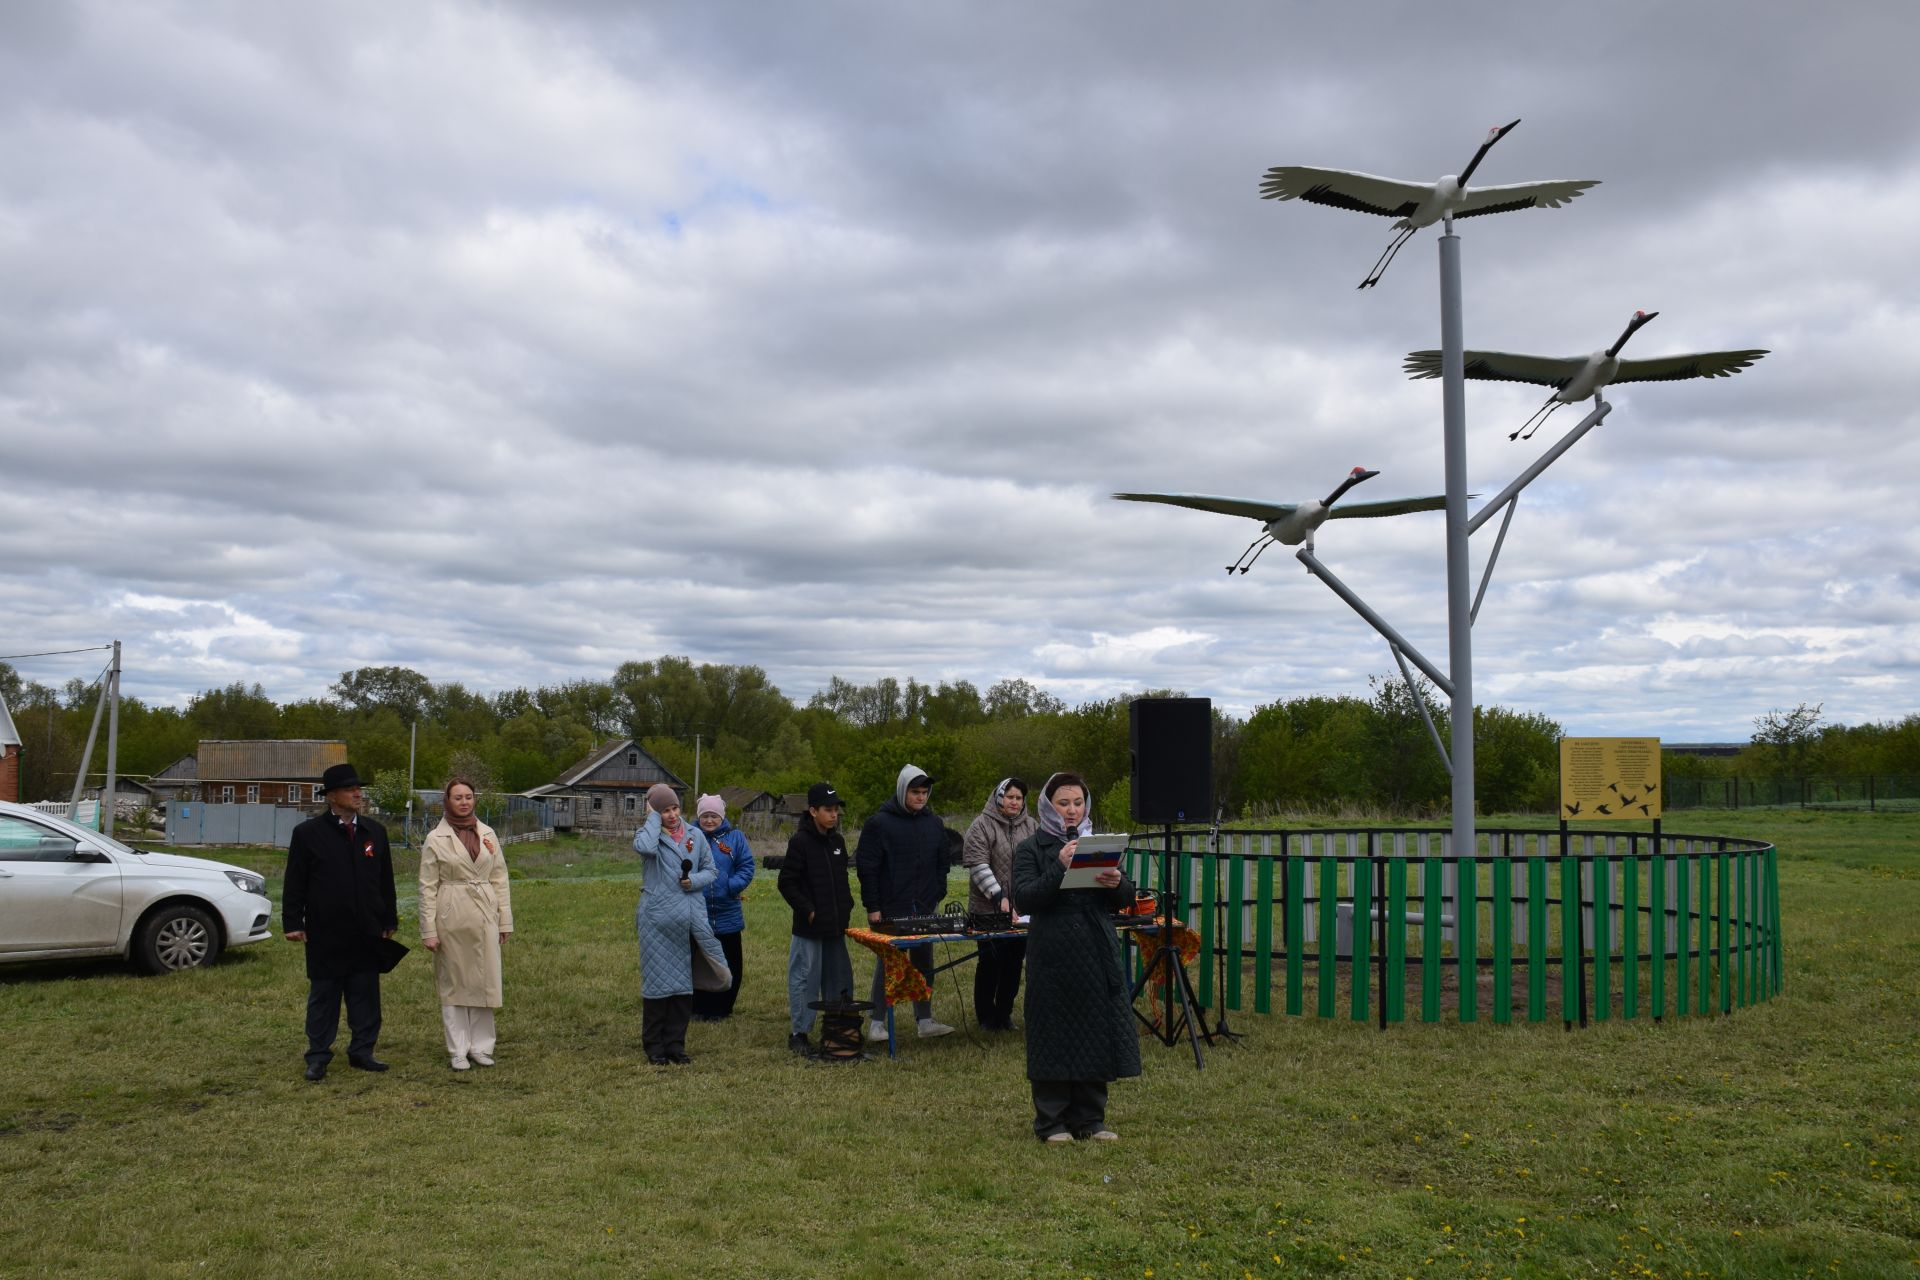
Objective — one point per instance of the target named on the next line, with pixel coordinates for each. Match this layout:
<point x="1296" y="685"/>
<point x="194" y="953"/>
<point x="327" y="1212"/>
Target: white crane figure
<point x="1574" y="378"/>
<point x="1290" y="522"/>
<point x="1416" y="204"/>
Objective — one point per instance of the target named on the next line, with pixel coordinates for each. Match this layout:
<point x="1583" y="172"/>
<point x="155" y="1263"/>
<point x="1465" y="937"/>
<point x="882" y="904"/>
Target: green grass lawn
<point x="160" y="1127"/>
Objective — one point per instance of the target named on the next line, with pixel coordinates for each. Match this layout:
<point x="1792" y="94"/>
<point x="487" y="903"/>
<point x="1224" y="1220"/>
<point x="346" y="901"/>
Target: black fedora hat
<point x="338" y="777"/>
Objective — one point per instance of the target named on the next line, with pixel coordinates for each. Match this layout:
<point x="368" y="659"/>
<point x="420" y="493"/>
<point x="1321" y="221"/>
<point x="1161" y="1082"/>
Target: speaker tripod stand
<point x="1176" y="990"/>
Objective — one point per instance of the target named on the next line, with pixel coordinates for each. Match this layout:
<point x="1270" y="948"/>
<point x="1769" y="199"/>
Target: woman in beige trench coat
<point x="465" y="916"/>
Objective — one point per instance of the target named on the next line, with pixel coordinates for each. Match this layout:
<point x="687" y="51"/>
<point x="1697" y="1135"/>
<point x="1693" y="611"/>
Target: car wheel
<point x="177" y="936"/>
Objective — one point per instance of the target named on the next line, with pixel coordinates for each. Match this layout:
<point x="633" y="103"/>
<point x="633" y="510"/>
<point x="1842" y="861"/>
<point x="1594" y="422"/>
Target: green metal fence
<point x="1365" y="923"/>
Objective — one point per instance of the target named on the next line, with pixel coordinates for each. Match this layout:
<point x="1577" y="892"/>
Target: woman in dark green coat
<point x="1080" y="1031"/>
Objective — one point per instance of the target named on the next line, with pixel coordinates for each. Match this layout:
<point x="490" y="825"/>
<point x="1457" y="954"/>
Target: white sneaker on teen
<point x="1103" y="1135"/>
<point x="929" y="1029"/>
<point x="1060" y="1138"/>
<point x="480" y="1059"/>
<point x="457" y="1062"/>
<point x="876" y="1030"/>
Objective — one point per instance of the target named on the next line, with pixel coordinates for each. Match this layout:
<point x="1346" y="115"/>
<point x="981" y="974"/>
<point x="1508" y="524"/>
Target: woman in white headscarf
<point x="1080" y="1032"/>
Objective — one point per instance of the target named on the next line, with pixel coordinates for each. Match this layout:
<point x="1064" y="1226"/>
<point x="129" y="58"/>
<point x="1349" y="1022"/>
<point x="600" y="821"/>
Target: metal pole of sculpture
<point x="1453" y="408"/>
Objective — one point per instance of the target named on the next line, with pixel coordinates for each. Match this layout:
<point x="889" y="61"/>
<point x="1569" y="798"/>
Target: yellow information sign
<point x="1610" y="778"/>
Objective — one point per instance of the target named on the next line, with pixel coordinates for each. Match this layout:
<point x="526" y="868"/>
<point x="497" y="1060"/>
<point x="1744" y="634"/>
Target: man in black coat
<point x="813" y="880"/>
<point x="339" y="901"/>
<point x="902" y="861"/>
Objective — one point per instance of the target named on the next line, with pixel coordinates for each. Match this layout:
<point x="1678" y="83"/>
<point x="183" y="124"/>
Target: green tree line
<point x="1315" y="754"/>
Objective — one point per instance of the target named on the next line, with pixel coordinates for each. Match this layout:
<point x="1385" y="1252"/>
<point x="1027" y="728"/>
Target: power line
<point x="54" y="653"/>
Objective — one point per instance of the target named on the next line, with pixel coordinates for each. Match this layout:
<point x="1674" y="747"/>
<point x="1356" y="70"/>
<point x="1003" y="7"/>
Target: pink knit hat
<point x="710" y="805"/>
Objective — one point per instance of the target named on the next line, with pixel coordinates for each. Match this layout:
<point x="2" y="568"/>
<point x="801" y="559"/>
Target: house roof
<point x="740" y="797"/>
<point x="269" y="760"/>
<point x="185" y="769"/>
<point x="575" y="774"/>
<point x="9" y="736"/>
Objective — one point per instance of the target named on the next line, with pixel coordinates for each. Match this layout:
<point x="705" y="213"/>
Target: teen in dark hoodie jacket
<point x="902" y="863"/>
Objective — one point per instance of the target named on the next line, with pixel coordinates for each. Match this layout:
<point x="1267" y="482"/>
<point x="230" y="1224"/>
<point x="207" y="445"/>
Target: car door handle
<point x="5" y="874"/>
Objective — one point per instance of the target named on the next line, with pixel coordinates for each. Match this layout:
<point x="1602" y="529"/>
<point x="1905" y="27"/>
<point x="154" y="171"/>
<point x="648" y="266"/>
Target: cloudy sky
<point x="512" y="341"/>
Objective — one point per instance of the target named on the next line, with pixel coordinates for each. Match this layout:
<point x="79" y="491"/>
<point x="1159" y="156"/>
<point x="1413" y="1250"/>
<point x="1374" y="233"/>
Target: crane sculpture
<point x="1416" y="204"/>
<point x="1290" y="522"/>
<point x="1574" y="378"/>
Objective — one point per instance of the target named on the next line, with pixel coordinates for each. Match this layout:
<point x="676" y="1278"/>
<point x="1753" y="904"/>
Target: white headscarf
<point x="1050" y="819"/>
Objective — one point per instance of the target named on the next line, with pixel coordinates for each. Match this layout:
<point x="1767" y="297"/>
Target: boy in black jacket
<point x="814" y="883"/>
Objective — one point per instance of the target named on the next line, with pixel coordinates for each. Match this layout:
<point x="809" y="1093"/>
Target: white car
<point x="66" y="891"/>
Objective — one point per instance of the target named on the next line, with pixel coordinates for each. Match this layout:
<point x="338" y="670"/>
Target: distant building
<point x="129" y="796"/>
<point x="258" y="771"/>
<point x="178" y="781"/>
<point x="606" y="793"/>
<point x="1703" y="748"/>
<point x="9" y="755"/>
<point x="750" y="806"/>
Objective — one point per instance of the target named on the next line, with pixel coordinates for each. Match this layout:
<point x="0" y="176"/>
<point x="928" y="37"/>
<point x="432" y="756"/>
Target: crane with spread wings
<point x="1291" y="522"/>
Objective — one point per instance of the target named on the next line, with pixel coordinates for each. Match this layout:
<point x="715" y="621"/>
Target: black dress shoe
<point x="316" y="1071"/>
<point x="798" y="1043"/>
<point x="368" y="1063"/>
<point x="656" y="1060"/>
<point x="679" y="1059"/>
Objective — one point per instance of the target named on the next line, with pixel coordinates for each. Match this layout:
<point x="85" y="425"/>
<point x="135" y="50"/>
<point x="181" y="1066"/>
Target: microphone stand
<point x="1220" y="1028"/>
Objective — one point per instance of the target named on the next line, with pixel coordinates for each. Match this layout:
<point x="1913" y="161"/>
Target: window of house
<point x="226" y="795"/>
<point x="629" y="804"/>
<point x="633" y="759"/>
<point x="596" y="804"/>
<point x="253" y="793"/>
<point x="318" y="794"/>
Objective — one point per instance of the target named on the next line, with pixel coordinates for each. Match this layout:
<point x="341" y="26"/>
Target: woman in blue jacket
<point x="733" y="865"/>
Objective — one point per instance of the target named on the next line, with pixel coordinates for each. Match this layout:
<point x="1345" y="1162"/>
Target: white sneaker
<point x="480" y="1059"/>
<point x="929" y="1029"/>
<point x="458" y="1063"/>
<point x="876" y="1030"/>
<point x="1059" y="1139"/>
<point x="1103" y="1135"/>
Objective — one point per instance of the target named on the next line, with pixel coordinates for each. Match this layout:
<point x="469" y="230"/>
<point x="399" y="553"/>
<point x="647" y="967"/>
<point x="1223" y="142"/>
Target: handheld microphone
<point x="686" y="868"/>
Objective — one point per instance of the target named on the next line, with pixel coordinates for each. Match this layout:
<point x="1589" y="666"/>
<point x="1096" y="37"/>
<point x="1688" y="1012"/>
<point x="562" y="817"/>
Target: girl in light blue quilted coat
<point x="676" y="868"/>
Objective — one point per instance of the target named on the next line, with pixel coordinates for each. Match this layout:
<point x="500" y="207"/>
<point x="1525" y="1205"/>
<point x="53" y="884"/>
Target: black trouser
<point x="663" y="1025"/>
<point x="362" y="994"/>
<point x="718" y="1004"/>
<point x="1078" y="1107"/>
<point x="996" y="981"/>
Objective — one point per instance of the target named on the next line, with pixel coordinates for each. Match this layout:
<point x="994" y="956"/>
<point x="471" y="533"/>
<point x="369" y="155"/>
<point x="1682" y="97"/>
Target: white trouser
<point x="469" y="1029"/>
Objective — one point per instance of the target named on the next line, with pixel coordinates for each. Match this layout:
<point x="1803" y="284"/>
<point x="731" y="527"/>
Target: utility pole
<point x="413" y="736"/>
<point x="696" y="765"/>
<point x="107" y="792"/>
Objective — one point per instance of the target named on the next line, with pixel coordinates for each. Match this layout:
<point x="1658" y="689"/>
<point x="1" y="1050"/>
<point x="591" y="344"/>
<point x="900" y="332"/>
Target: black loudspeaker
<point x="1172" y="744"/>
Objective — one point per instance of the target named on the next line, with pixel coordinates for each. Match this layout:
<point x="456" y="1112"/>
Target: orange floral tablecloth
<point x="1186" y="943"/>
<point x="904" y="982"/>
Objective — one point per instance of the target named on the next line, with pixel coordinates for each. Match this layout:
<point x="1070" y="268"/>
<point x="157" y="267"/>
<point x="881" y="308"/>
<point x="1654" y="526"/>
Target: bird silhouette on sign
<point x="1573" y="809"/>
<point x="1646" y="809"/>
<point x="1574" y="378"/>
<point x="1602" y="809"/>
<point x="1652" y="787"/>
<point x="1626" y="799"/>
<point x="1416" y="204"/>
<point x="1614" y="787"/>
<point x="1291" y="522"/>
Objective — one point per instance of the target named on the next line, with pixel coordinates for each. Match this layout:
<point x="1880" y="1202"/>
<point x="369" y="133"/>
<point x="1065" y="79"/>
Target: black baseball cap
<point x="821" y="795"/>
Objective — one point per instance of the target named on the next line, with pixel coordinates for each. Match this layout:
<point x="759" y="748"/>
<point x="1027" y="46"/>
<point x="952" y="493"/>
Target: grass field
<point x="160" y="1127"/>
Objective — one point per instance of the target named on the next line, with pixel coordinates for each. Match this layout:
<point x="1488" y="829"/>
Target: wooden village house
<point x="606" y="793"/>
<point x="257" y="771"/>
